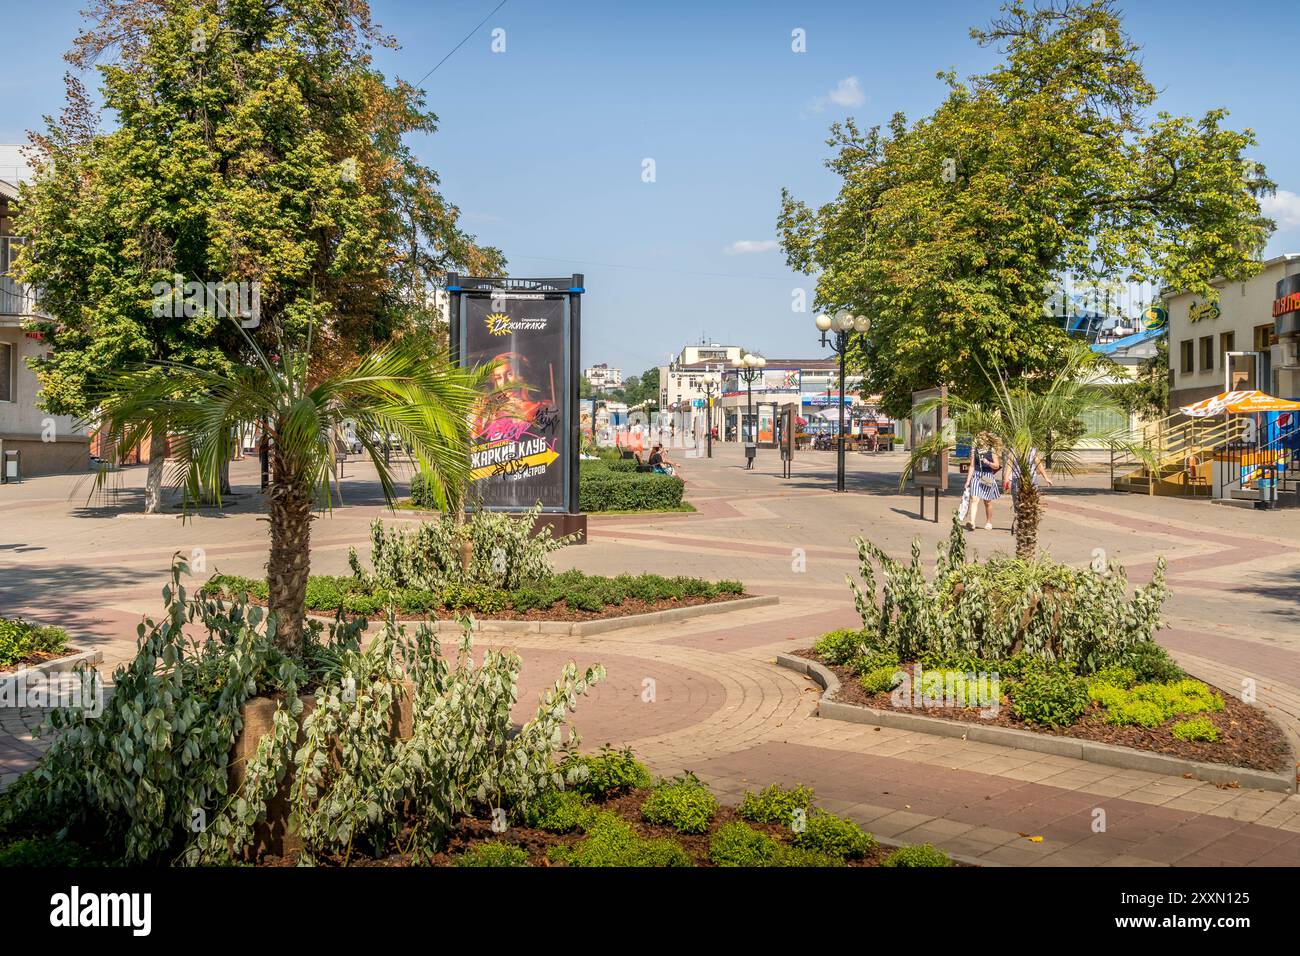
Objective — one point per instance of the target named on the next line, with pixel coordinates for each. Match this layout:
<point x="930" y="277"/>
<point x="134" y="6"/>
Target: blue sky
<point x="542" y="145"/>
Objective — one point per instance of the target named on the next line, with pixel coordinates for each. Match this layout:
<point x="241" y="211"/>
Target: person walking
<point x="983" y="478"/>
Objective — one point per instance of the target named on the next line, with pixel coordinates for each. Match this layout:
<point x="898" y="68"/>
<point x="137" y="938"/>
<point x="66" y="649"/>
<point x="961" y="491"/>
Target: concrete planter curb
<point x="1110" y="755"/>
<point x="56" y="666"/>
<point x="600" y="626"/>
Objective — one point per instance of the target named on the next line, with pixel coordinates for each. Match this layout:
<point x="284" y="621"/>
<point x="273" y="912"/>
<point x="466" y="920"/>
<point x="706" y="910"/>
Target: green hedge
<point x="580" y="591"/>
<point x="19" y="640"/>
<point x="604" y="489"/>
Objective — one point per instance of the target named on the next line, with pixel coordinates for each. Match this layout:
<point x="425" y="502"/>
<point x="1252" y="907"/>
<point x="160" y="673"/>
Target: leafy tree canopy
<point x="251" y="141"/>
<point x="947" y="231"/>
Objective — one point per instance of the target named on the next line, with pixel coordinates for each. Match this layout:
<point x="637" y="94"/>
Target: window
<point x="1207" y="353"/>
<point x="1264" y="337"/>
<point x="1227" y="342"/>
<point x="6" y="372"/>
<point x="1185" y="357"/>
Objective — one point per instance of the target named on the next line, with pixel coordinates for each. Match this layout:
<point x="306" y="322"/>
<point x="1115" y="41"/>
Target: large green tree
<point x="947" y="231"/>
<point x="251" y="141"/>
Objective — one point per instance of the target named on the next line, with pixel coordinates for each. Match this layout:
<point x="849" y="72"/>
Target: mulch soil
<point x="539" y="842"/>
<point x="1248" y="737"/>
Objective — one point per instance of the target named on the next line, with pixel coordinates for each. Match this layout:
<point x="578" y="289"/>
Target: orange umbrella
<point x="1238" y="403"/>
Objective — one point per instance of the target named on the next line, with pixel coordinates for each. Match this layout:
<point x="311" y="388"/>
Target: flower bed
<point x="610" y="814"/>
<point x="23" y="644"/>
<point x="1148" y="704"/>
<point x="1037" y="646"/>
<point x="567" y="596"/>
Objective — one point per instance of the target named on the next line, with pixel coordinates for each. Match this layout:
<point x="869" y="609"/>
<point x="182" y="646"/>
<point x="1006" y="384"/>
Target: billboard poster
<point x="929" y="415"/>
<point x="518" y="443"/>
<point x="587" y="417"/>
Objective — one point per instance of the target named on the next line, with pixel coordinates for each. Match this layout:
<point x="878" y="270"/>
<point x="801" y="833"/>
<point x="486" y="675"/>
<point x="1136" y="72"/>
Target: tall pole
<point x="839" y="465"/>
<point x="749" y="415"/>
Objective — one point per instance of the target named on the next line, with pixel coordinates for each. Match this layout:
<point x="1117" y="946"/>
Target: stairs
<point x="1171" y="444"/>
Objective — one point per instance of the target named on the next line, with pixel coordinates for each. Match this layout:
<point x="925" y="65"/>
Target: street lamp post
<point x="712" y="384"/>
<point x="844" y="325"/>
<point x="749" y="368"/>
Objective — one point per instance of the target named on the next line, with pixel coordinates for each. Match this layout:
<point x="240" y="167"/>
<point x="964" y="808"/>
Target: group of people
<point x="986" y="461"/>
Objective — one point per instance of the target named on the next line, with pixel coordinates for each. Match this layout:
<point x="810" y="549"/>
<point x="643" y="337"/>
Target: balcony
<point x="16" y="298"/>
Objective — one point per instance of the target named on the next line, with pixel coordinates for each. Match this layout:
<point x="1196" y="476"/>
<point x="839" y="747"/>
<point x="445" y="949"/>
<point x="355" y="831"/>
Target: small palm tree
<point x="395" y="390"/>
<point x="1023" y="421"/>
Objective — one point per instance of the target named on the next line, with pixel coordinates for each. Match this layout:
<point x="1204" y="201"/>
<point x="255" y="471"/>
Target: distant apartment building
<point x="603" y="378"/>
<point x="46" y="444"/>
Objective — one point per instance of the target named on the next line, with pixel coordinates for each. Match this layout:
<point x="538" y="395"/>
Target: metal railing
<point x="1178" y="447"/>
<point x="16" y="298"/>
<point x="1265" y="468"/>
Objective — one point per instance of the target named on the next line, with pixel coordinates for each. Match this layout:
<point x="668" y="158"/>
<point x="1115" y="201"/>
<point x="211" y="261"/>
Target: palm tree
<point x="395" y="390"/>
<point x="1024" y="421"/>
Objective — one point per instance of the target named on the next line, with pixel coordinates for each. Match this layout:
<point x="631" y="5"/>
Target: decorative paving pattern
<point x="704" y="694"/>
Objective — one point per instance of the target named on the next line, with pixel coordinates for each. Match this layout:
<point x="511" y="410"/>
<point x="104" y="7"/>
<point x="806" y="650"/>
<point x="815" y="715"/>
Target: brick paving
<point x="718" y="704"/>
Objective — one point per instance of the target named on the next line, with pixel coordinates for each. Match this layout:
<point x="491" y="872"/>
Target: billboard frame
<point x="460" y="289"/>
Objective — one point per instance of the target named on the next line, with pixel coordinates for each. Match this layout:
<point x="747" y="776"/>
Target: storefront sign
<point x="1203" y="310"/>
<point x="1286" y="306"/>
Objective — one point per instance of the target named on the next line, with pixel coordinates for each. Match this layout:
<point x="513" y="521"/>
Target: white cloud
<point x="1284" y="207"/>
<point x="847" y="93"/>
<point x="743" y="247"/>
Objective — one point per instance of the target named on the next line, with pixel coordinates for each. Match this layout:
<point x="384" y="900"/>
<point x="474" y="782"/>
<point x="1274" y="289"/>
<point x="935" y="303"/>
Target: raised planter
<point x="1124" y="758"/>
<point x="272" y="835"/>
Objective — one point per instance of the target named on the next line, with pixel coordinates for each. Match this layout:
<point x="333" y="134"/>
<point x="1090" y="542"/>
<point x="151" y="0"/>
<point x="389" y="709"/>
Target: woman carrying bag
<point x="982" y="482"/>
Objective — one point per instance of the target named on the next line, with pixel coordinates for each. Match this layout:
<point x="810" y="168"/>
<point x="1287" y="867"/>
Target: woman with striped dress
<point x="983" y="478"/>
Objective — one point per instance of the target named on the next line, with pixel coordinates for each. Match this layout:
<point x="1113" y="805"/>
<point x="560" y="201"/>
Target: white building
<point x="1253" y="326"/>
<point x="46" y="444"/>
<point x="603" y="378"/>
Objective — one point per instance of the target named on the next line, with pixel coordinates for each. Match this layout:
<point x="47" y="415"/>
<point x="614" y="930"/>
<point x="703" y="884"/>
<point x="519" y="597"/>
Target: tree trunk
<point x="153" y="498"/>
<point x="1029" y="510"/>
<point x="290" y="560"/>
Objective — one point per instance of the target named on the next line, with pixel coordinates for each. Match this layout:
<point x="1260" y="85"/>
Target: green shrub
<point x="917" y="855"/>
<point x="730" y="587"/>
<point x="684" y="803"/>
<point x="880" y="679"/>
<point x="774" y="804"/>
<point x="842" y="646"/>
<point x="325" y="593"/>
<point x="559" y="811"/>
<point x="1151" y="664"/>
<point x="623" y="491"/>
<point x="494" y="853"/>
<point x="1115" y="674"/>
<point x="233" y="585"/>
<point x="609" y="773"/>
<point x="1150" y="705"/>
<point x="611" y="841"/>
<point x="48" y="852"/>
<point x="834" y="836"/>
<point x="1132" y="712"/>
<point x="365" y="604"/>
<point x="1197" y="728"/>
<point x="19" y="640"/>
<point x="736" y="844"/>
<point x="1053" y="699"/>
<point x="987" y="610"/>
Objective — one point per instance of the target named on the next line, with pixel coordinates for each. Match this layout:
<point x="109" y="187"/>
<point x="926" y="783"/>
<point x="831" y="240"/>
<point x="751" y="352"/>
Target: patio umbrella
<point x="1238" y="403"/>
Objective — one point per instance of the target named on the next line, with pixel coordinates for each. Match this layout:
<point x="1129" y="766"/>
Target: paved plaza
<point x="721" y="707"/>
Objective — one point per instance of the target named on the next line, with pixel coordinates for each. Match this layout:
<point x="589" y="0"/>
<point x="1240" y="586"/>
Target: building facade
<point x="45" y="444"/>
<point x="603" y="378"/>
<point x="1246" y="340"/>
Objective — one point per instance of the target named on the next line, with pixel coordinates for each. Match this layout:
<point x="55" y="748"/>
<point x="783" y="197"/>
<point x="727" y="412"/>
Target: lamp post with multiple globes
<point x="844" y="325"/>
<point x="749" y="368"/>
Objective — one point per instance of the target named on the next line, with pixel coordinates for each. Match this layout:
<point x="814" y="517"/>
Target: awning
<point x="1238" y="403"/>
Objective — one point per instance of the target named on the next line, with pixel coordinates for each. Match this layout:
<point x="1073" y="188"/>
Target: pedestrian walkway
<point x="705" y="695"/>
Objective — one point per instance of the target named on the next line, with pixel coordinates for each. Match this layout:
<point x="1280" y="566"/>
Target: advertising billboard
<point x="524" y="432"/>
